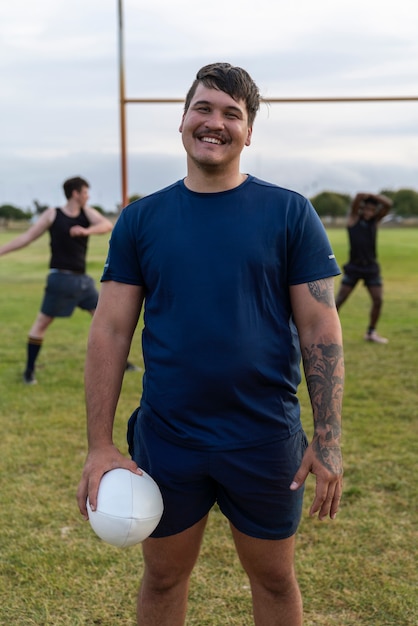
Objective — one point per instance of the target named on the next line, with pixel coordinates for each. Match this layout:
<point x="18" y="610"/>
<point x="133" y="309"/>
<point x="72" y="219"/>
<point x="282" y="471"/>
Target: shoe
<point x="373" y="336"/>
<point x="131" y="367"/>
<point x="29" y="377"/>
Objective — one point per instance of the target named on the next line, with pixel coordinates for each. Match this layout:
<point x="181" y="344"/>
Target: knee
<point x="159" y="585"/>
<point x="377" y="301"/>
<point x="275" y="583"/>
<point x="40" y="325"/>
<point x="164" y="580"/>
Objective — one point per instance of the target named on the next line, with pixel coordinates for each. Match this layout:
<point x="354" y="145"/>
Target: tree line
<point x="327" y="204"/>
<point x="332" y="204"/>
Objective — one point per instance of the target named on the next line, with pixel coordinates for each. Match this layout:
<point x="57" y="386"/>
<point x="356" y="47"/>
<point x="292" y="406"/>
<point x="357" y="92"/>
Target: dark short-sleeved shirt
<point x="221" y="351"/>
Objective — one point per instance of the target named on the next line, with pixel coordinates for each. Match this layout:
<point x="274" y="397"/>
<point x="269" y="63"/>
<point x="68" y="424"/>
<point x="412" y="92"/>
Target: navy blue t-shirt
<point x="221" y="352"/>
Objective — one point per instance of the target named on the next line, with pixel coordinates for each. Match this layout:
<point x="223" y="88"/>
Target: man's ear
<point x="249" y="135"/>
<point x="181" y="124"/>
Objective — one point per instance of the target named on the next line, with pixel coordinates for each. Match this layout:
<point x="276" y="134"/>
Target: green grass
<point x="360" y="569"/>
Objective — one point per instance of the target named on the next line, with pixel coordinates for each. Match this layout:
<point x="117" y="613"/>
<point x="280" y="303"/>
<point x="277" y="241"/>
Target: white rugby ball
<point x="129" y="507"/>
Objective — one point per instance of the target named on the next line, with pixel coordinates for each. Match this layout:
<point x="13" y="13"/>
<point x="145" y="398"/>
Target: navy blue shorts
<point x="250" y="486"/>
<point x="64" y="292"/>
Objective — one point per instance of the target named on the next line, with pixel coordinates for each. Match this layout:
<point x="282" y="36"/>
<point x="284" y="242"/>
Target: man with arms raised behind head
<point x="367" y="210"/>
<point x="236" y="277"/>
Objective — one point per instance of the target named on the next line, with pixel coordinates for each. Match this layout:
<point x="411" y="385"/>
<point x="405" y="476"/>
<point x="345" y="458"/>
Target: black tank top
<point x="363" y="243"/>
<point x="68" y="253"/>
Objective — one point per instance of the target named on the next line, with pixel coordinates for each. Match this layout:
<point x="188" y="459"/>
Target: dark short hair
<point x="74" y="184"/>
<point x="234" y="81"/>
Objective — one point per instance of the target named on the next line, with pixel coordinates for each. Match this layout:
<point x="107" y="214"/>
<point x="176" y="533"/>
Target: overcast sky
<point x="59" y="103"/>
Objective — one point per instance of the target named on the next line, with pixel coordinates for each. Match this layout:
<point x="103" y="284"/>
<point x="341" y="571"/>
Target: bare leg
<point x="342" y="295"/>
<point x="270" y="567"/>
<point x="376" y="294"/>
<point x="169" y="561"/>
<point x="40" y="326"/>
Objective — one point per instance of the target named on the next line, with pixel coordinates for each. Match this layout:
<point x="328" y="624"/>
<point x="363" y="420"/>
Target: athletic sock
<point x="33" y="349"/>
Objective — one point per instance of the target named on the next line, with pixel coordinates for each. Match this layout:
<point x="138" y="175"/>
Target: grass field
<point x="360" y="569"/>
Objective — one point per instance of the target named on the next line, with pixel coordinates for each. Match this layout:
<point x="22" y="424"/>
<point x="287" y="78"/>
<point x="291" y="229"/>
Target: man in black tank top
<point x="366" y="212"/>
<point x="68" y="286"/>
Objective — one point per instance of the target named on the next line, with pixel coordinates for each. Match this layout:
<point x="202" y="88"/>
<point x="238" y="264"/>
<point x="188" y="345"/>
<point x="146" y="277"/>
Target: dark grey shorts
<point x="64" y="292"/>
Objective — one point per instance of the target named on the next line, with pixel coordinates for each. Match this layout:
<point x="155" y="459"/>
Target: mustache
<point x="215" y="135"/>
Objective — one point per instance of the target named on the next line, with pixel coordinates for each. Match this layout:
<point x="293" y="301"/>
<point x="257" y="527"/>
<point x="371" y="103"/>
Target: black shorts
<point x="370" y="276"/>
<point x="250" y="486"/>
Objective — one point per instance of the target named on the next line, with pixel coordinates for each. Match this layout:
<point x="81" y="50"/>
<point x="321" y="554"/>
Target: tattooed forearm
<point x="330" y="456"/>
<point x="323" y="291"/>
<point x="324" y="369"/>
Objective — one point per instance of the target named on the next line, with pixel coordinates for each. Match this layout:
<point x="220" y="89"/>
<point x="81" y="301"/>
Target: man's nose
<point x="215" y="120"/>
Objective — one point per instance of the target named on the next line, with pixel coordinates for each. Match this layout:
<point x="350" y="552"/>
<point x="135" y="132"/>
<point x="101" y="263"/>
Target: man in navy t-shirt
<point x="236" y="278"/>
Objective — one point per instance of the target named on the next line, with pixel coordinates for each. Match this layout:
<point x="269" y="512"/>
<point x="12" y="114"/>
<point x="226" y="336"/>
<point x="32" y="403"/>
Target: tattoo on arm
<point x="323" y="291"/>
<point x="324" y="370"/>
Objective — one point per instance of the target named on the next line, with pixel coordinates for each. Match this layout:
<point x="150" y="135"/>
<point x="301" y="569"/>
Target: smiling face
<point x="215" y="130"/>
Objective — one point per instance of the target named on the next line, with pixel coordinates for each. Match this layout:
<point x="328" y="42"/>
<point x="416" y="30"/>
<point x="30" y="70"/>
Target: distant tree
<point x="389" y="193"/>
<point x="40" y="208"/>
<point x="331" y="204"/>
<point x="405" y="203"/>
<point x="9" y="212"/>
